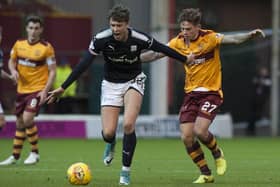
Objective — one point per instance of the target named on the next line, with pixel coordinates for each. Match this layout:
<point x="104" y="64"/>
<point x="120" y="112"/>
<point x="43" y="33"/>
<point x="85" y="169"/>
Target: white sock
<point x="124" y="168"/>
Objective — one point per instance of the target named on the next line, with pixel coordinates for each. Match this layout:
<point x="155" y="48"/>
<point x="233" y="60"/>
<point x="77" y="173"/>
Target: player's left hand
<point x="257" y="33"/>
<point x="42" y="95"/>
<point x="54" y="95"/>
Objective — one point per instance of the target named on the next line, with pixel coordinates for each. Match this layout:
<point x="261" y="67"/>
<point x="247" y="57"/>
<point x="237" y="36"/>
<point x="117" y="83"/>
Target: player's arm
<point x="242" y="37"/>
<point x="149" y="56"/>
<point x="77" y="71"/>
<point x="159" y="47"/>
<point x="52" y="74"/>
<point x="5" y="75"/>
<point x="13" y="70"/>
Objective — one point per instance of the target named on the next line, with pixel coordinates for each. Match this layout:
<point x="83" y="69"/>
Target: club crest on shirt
<point x="133" y="48"/>
<point x="37" y="53"/>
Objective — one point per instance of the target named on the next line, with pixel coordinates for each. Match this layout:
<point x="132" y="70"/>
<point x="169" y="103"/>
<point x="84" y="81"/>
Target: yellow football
<point x="79" y="174"/>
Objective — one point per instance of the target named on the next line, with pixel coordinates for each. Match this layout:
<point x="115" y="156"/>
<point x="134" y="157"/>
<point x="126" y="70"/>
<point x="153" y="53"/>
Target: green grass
<point x="252" y="162"/>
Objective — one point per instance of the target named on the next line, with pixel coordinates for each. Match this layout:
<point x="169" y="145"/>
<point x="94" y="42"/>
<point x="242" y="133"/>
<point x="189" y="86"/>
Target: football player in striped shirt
<point x="33" y="67"/>
<point x="203" y="87"/>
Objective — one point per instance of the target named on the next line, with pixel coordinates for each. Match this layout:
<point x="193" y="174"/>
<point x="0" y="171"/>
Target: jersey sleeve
<point x="13" y="53"/>
<point x="50" y="55"/>
<point x="217" y="38"/>
<point x="50" y="51"/>
<point x="95" y="45"/>
<point x="145" y="40"/>
<point x="172" y="43"/>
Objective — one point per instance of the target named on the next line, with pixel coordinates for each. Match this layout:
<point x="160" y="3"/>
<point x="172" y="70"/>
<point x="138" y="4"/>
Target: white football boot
<point x="33" y="158"/>
<point x="10" y="160"/>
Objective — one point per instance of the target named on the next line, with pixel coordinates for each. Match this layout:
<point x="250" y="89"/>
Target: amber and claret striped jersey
<point x="205" y="71"/>
<point x="32" y="64"/>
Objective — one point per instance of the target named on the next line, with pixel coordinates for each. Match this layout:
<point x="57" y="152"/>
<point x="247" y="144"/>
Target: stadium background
<point x="70" y="25"/>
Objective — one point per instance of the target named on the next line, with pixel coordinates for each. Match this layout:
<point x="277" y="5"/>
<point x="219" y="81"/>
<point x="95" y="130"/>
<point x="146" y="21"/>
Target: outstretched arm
<point x="149" y="56"/>
<point x="77" y="71"/>
<point x="242" y="37"/>
<point x="165" y="50"/>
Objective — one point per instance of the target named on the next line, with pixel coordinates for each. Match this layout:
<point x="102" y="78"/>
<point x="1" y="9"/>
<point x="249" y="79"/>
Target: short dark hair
<point x="119" y="13"/>
<point x="192" y="15"/>
<point x="34" y="19"/>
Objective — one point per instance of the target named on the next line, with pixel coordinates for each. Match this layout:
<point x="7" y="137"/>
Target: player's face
<point x="189" y="30"/>
<point x="34" y="31"/>
<point x="119" y="30"/>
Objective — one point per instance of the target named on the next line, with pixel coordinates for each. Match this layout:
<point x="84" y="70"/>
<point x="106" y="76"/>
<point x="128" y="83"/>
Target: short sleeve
<point x="217" y="38"/>
<point x="50" y="51"/>
<point x="95" y="45"/>
<point x="13" y="53"/>
<point x="172" y="43"/>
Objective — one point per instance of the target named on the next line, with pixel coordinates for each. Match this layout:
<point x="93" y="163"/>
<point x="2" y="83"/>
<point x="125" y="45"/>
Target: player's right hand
<point x="54" y="95"/>
<point x="14" y="76"/>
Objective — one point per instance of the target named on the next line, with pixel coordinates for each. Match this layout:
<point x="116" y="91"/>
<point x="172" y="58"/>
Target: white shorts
<point x="1" y="109"/>
<point x="112" y="94"/>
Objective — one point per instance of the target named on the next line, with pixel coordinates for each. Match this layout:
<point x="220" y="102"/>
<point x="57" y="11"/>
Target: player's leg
<point x="111" y="101"/>
<point x="207" y="138"/>
<point x="31" y="131"/>
<point x="2" y="118"/>
<point x="18" y="141"/>
<point x="195" y="152"/>
<point x="30" y="111"/>
<point x="132" y="106"/>
<point x="209" y="104"/>
<point x="188" y="115"/>
<point x="109" y="116"/>
<point x="2" y="121"/>
<point x="20" y="135"/>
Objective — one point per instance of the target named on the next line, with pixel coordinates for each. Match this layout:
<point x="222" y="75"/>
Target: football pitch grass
<point x="252" y="162"/>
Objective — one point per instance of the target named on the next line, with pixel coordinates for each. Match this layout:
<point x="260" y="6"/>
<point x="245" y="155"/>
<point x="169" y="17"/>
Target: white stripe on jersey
<point x="140" y="36"/>
<point x="26" y="63"/>
<point x="50" y="60"/>
<point x="104" y="34"/>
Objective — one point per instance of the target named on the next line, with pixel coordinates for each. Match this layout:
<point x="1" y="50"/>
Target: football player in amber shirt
<point x="33" y="67"/>
<point x="203" y="92"/>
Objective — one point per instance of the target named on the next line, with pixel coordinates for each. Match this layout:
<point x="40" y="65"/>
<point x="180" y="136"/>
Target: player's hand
<point x="54" y="95"/>
<point x="10" y="77"/>
<point x="14" y="76"/>
<point x="190" y="58"/>
<point x="43" y="96"/>
<point x="257" y="33"/>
